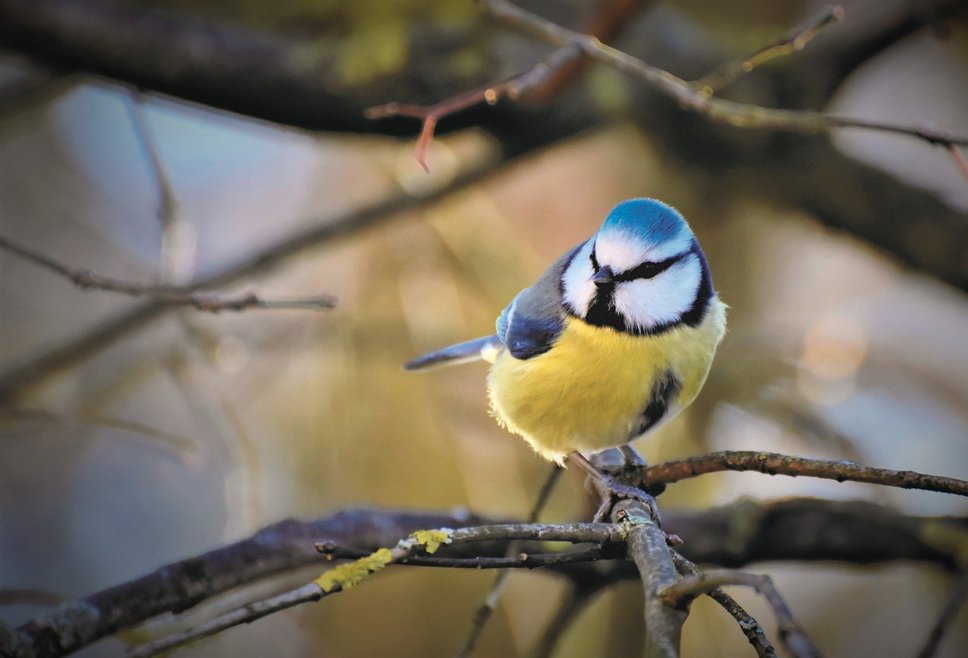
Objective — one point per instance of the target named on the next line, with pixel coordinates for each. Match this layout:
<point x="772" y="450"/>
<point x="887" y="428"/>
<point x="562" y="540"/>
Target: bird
<point x="611" y="342"/>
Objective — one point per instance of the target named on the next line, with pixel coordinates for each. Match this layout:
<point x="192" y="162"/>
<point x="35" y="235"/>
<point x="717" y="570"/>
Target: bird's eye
<point x="648" y="269"/>
<point x="594" y="260"/>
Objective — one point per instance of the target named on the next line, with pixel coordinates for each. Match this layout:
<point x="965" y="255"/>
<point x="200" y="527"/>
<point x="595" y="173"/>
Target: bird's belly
<point x="589" y="391"/>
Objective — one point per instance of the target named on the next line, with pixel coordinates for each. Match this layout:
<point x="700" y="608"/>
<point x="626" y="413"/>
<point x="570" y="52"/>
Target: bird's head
<point x="643" y="272"/>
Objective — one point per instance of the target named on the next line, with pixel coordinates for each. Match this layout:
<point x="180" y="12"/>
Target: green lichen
<point x="351" y="574"/>
<point x="431" y="540"/>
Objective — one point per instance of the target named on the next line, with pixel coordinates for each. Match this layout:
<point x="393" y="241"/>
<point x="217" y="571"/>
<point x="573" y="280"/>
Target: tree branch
<point x="351" y="574"/>
<point x="776" y="464"/>
<point x="791" y="634"/>
<point x="646" y="547"/>
<point x="750" y="627"/>
<point x="690" y="98"/>
<point x="167" y="295"/>
<point x="955" y="600"/>
<point x="729" y="536"/>
<point x="20" y="377"/>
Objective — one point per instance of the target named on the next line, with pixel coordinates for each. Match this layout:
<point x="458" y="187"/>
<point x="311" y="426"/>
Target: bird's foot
<point x="611" y="490"/>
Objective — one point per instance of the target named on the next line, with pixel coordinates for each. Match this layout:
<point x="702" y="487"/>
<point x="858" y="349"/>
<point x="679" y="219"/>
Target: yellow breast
<point x="589" y="391"/>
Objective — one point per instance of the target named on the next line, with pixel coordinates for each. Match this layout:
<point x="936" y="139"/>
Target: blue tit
<point x="612" y="341"/>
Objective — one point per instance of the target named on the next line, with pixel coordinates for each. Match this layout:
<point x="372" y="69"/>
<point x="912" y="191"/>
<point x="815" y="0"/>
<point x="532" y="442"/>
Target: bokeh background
<point x="193" y="430"/>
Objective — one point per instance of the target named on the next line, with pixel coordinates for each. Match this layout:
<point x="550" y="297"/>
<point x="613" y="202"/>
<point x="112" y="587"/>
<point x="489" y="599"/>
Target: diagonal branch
<point x="747" y="623"/>
<point x="791" y="42"/>
<point x="168" y="295"/>
<point x="949" y="611"/>
<point x="692" y="99"/>
<point x="791" y="634"/>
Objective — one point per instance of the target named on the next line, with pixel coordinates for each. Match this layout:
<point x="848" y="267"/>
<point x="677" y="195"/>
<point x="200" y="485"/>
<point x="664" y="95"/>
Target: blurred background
<point x="157" y="436"/>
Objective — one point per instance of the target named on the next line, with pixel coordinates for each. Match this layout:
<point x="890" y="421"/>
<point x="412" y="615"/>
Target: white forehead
<point x="622" y="250"/>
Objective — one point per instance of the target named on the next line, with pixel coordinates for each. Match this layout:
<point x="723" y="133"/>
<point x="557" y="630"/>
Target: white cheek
<point x="579" y="291"/>
<point x="646" y="303"/>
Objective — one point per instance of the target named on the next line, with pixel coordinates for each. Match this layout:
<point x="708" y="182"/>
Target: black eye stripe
<point x="648" y="269"/>
<point x="594" y="260"/>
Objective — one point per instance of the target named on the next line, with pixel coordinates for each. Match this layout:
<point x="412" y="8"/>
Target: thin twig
<point x="512" y="87"/>
<point x="572" y="603"/>
<point x="172" y="295"/>
<point x="691" y="99"/>
<point x="244" y="615"/>
<point x="489" y="605"/>
<point x="21" y="376"/>
<point x="748" y="624"/>
<point x="791" y="634"/>
<point x="789" y="43"/>
<point x="167" y="202"/>
<point x="959" y="159"/>
<point x="777" y="464"/>
<point x="520" y="561"/>
<point x="951" y="606"/>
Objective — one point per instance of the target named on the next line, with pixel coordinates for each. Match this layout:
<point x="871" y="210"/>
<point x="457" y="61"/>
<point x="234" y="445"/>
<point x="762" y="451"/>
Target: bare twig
<point x="169" y="295"/>
<point x="791" y="634"/>
<point x="512" y="87"/>
<point x="748" y="624"/>
<point x="522" y="560"/>
<point x="959" y="159"/>
<point x="951" y="606"/>
<point x="17" y="378"/>
<point x="789" y="43"/>
<point x="777" y="464"/>
<point x="489" y="605"/>
<point x="692" y="99"/>
<point x="167" y="203"/>
<point x="244" y="615"/>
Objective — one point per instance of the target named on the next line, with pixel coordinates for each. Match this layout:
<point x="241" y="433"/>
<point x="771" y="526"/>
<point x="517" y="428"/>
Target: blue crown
<point x="647" y="220"/>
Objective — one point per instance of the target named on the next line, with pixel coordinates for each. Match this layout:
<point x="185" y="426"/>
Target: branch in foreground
<point x="349" y="575"/>
<point x="792" y="635"/>
<point x="772" y="463"/>
<point x="747" y="623"/>
<point x="169" y="295"/>
<point x="647" y="548"/>
<point x="731" y="535"/>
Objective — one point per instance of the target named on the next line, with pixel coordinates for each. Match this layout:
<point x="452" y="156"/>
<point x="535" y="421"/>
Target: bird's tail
<point x="485" y="348"/>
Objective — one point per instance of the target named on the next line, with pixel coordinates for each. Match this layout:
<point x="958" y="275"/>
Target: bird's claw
<point x="612" y="491"/>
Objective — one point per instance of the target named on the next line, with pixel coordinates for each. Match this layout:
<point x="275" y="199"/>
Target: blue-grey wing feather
<point x="470" y="350"/>
<point x="531" y="324"/>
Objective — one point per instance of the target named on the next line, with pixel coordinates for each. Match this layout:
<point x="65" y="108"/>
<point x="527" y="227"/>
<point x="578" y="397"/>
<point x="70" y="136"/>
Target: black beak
<point x="603" y="277"/>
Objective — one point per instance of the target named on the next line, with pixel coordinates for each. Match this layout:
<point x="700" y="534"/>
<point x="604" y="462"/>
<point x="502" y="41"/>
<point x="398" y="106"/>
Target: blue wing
<point x="471" y="350"/>
<point x="529" y="326"/>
